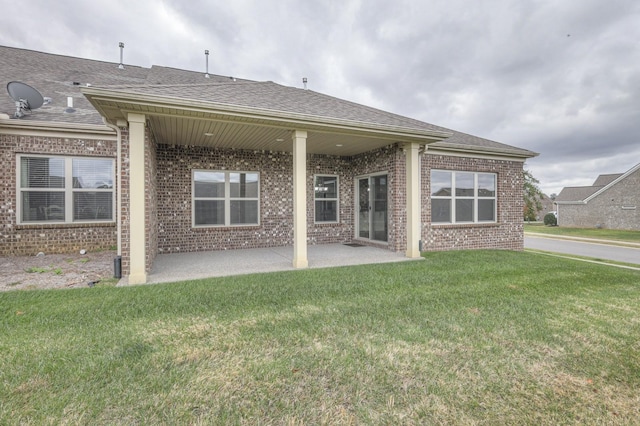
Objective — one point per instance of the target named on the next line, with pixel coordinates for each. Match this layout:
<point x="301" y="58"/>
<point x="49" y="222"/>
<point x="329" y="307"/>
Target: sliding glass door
<point x="372" y="207"/>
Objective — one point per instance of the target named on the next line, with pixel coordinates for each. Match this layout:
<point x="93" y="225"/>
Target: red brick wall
<point x="507" y="233"/>
<point x="175" y="231"/>
<point x="59" y="238"/>
<point x="326" y="233"/>
<point x="175" y="165"/>
<point x="168" y="200"/>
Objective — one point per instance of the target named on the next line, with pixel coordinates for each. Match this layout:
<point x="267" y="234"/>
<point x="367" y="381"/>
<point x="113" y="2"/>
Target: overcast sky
<point x="559" y="77"/>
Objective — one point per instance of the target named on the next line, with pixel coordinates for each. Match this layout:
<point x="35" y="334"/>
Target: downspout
<point x="118" y="182"/>
<point x="421" y="158"/>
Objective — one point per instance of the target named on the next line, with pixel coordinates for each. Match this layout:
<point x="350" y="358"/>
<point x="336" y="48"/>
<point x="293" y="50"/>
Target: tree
<point x="532" y="196"/>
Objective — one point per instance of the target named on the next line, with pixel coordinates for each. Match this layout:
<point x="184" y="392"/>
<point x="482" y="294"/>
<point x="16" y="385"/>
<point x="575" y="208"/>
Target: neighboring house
<point x="547" y="206"/>
<point x="612" y="202"/>
<point x="160" y="160"/>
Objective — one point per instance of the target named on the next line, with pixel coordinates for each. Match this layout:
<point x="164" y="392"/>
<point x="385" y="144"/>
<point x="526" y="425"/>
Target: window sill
<point x="226" y="227"/>
<point x="466" y="225"/>
<point x="44" y="225"/>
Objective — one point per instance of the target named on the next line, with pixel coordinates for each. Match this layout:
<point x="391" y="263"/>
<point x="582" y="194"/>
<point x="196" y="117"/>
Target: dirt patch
<point x="56" y="271"/>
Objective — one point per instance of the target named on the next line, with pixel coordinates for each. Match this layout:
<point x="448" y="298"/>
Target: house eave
<point x="115" y="104"/>
<point x="580" y="202"/>
<point x="466" y="150"/>
<point x="33" y="127"/>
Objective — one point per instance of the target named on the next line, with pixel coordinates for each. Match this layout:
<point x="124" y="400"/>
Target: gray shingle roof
<point x="58" y="77"/>
<point x="577" y="193"/>
<point x="604" y="180"/>
<point x="275" y="97"/>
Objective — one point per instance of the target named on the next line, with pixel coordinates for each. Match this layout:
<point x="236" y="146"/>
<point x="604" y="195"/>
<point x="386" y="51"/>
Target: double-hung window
<point x="222" y="198"/>
<point x="463" y="197"/>
<point x="65" y="189"/>
<point x="325" y="191"/>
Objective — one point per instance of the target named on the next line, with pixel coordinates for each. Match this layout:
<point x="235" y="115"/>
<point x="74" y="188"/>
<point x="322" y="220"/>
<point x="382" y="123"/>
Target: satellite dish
<point x="26" y="97"/>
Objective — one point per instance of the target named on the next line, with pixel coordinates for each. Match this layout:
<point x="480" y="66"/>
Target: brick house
<point x="160" y="160"/>
<point x="611" y="202"/>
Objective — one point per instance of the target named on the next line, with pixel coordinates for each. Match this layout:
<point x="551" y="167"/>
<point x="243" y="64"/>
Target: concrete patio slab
<point x="190" y="266"/>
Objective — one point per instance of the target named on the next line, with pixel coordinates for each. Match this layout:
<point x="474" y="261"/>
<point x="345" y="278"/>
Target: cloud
<point x="559" y="78"/>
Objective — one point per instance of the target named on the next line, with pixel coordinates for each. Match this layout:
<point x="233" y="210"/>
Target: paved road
<point x="578" y="248"/>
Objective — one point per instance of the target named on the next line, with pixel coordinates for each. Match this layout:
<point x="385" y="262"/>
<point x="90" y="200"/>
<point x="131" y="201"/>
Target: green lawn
<point x="479" y="337"/>
<point x="603" y="234"/>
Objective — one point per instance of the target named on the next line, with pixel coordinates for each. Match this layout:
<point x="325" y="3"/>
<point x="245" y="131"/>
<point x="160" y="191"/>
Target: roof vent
<point x="304" y="81"/>
<point x="206" y="54"/>
<point x="121" y="45"/>
<point x="69" y="109"/>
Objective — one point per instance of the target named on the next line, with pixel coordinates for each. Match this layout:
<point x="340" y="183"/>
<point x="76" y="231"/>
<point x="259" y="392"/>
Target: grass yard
<point x="603" y="234"/>
<point x="480" y="337"/>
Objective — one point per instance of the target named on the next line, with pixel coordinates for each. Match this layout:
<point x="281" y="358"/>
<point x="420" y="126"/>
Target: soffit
<point x="227" y="127"/>
<point x="229" y="134"/>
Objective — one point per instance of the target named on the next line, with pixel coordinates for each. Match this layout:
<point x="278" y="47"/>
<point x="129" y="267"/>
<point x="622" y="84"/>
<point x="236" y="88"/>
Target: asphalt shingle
<point x="604" y="180"/>
<point x="577" y="193"/>
<point x="59" y="77"/>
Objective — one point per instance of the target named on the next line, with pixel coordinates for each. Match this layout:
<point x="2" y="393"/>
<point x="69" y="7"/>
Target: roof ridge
<point x="60" y="55"/>
<point x="177" y="83"/>
<point x="155" y="66"/>
<point x="370" y="108"/>
<point x="159" y="85"/>
<point x="403" y="117"/>
<point x="584" y="186"/>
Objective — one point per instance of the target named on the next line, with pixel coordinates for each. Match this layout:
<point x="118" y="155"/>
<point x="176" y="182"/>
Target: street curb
<point x="585" y="240"/>
<point x="568" y="256"/>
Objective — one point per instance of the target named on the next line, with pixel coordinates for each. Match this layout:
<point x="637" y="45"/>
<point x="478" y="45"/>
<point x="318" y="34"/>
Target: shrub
<point x="550" y="219"/>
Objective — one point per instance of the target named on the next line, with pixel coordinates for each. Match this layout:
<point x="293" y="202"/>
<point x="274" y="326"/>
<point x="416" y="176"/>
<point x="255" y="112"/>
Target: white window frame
<point x="227" y="199"/>
<point x="68" y="190"/>
<point x="475" y="198"/>
<point x="336" y="199"/>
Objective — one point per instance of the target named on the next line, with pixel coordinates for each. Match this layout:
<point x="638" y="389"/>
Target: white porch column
<point x="137" y="214"/>
<point x="300" y="199"/>
<point x="412" y="151"/>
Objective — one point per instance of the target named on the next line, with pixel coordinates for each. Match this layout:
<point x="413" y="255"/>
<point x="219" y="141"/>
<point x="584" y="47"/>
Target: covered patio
<point x="208" y="264"/>
<point x="258" y="125"/>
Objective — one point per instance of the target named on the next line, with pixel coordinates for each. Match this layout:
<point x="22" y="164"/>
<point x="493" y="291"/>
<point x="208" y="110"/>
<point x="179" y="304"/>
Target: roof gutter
<point x="478" y="150"/>
<point x="49" y="127"/>
<point x="579" y="202"/>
